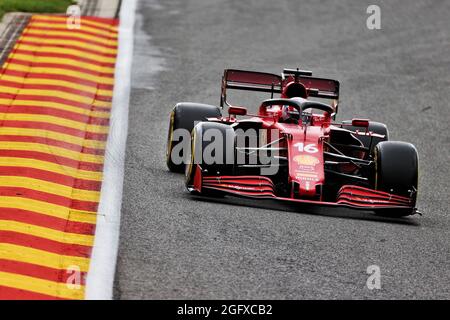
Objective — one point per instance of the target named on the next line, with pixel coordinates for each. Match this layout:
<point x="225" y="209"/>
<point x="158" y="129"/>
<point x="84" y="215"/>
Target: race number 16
<point x="310" y="148"/>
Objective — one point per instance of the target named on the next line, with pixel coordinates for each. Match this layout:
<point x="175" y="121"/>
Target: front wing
<point x="349" y="196"/>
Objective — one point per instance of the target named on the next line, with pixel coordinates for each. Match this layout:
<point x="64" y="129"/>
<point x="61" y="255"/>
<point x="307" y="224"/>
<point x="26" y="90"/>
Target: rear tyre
<point x="375" y="127"/>
<point x="396" y="170"/>
<point x="183" y="116"/>
<point x="203" y="141"/>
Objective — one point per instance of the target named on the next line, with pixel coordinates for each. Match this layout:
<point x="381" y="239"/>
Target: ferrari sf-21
<point x="292" y="149"/>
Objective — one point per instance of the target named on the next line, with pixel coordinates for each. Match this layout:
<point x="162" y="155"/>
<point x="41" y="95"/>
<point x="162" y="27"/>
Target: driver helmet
<point x="289" y="114"/>
<point x="294" y="90"/>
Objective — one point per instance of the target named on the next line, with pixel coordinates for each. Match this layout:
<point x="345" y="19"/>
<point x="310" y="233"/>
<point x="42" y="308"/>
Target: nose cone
<point x="306" y="170"/>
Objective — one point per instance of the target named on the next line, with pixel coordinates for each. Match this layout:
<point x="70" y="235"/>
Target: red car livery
<point x="292" y="148"/>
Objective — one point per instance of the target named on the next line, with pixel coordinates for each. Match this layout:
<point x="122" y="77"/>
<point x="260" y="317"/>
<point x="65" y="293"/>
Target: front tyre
<point x="213" y="149"/>
<point x="184" y="116"/>
<point x="396" y="171"/>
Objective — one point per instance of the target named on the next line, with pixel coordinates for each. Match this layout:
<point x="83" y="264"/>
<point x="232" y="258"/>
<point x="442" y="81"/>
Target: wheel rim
<point x="190" y="165"/>
<point x="170" y="136"/>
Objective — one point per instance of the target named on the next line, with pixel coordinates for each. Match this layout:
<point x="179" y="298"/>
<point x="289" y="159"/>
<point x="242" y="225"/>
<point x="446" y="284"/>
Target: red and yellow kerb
<point x="55" y="99"/>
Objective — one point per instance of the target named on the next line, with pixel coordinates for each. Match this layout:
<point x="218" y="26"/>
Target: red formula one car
<point x="292" y="149"/>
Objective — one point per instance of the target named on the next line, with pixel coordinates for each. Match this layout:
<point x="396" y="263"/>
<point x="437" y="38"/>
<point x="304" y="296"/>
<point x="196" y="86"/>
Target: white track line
<point x="100" y="278"/>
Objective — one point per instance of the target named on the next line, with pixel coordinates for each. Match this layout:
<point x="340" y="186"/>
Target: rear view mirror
<point x="360" y="123"/>
<point x="239" y="111"/>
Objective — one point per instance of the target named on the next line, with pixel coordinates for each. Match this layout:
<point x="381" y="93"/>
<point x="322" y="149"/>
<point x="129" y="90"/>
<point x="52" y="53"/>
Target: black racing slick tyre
<point x="396" y="170"/>
<point x="213" y="149"/>
<point x="184" y="116"/>
<point x="375" y="127"/>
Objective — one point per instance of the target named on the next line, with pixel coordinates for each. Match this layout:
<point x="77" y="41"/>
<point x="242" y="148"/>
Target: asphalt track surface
<point x="174" y="246"/>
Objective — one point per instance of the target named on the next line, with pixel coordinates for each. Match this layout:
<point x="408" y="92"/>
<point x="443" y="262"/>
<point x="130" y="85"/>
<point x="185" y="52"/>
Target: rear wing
<point x="272" y="83"/>
<point x="249" y="80"/>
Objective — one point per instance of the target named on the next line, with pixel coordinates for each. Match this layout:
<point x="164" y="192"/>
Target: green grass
<point x="37" y="6"/>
